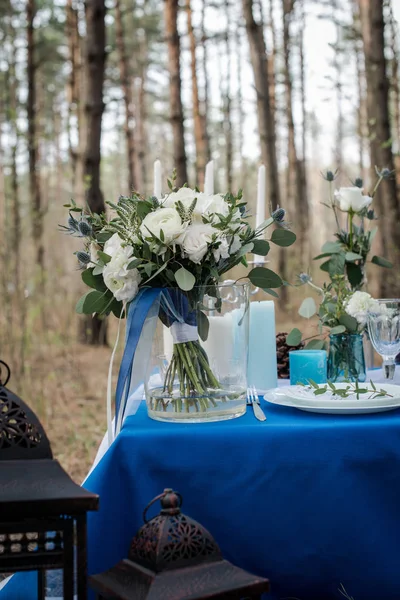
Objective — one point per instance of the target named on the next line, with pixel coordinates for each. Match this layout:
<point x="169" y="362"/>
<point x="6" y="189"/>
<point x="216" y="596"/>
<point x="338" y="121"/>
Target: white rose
<point x="358" y="305"/>
<point x="195" y="241"/>
<point x="165" y="219"/>
<point x="351" y="198"/>
<point x="210" y="205"/>
<point x="185" y="195"/>
<point x="123" y="284"/>
<point x="113" y="245"/>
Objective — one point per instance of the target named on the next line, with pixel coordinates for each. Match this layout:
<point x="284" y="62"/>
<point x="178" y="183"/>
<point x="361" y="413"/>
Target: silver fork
<point x="253" y="400"/>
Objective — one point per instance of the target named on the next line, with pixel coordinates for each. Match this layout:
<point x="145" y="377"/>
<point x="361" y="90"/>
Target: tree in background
<point x="266" y="124"/>
<point x="380" y="137"/>
<point x="127" y="92"/>
<point x="175" y="85"/>
<point x="95" y="57"/>
<point x="31" y="108"/>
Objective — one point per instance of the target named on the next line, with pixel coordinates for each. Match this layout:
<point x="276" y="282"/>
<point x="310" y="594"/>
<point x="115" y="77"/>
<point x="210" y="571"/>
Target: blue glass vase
<point x="346" y="361"/>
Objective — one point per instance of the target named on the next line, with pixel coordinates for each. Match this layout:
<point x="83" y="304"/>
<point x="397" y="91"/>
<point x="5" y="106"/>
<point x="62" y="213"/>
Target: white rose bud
<point x="351" y="198"/>
<point x="195" y="241"/>
<point x="165" y="219"/>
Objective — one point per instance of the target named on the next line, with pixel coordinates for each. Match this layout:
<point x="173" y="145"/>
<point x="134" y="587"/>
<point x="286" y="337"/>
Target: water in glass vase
<point x="200" y="355"/>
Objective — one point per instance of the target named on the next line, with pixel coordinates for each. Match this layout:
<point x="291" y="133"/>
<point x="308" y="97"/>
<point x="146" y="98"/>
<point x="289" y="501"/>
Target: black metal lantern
<point x="172" y="557"/>
<point x="41" y="508"/>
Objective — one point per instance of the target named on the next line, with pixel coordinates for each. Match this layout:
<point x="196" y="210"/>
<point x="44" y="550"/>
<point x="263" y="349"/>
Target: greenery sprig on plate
<point x="349" y="390"/>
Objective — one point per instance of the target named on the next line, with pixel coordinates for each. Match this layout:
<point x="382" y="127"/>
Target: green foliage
<point x="264" y="278"/>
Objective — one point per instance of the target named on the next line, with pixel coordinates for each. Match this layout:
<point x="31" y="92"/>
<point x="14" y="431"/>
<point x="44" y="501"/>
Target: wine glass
<point x="383" y="320"/>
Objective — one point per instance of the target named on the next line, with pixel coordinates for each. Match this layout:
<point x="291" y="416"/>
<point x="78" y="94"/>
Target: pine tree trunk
<point x="361" y="99"/>
<point x="265" y="117"/>
<point x="303" y="160"/>
<point x="73" y="87"/>
<point x="127" y="92"/>
<point x="272" y="58"/>
<point x="228" y="104"/>
<point x="200" y="133"/>
<point x="94" y="331"/>
<point x="294" y="189"/>
<point x="176" y="108"/>
<point x="206" y="83"/>
<point x="395" y="90"/>
<point x="372" y="24"/>
<point x="34" y="180"/>
<point x="141" y="125"/>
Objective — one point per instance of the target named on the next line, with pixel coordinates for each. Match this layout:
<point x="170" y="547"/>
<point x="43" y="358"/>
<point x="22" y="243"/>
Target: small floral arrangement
<point x="186" y="241"/>
<point x="340" y="311"/>
<point x="349" y="253"/>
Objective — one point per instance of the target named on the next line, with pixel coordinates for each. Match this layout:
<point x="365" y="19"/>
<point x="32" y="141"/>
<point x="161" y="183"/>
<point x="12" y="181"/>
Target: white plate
<point x="303" y="399"/>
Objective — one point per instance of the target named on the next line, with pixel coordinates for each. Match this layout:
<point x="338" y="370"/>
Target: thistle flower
<point x="329" y="175"/>
<point x="72" y="223"/>
<point x="358" y="182"/>
<point x="83" y="257"/>
<point x="84" y="228"/>
<point x="304" y="278"/>
<point x="384" y="173"/>
<point x="278" y="215"/>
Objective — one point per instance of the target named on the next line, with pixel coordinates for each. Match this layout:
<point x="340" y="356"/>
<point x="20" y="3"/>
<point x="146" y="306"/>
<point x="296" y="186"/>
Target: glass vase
<point x="198" y="370"/>
<point x="346" y="361"/>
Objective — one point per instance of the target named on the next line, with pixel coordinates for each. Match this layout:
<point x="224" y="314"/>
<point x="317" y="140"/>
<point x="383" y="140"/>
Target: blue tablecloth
<point x="310" y="501"/>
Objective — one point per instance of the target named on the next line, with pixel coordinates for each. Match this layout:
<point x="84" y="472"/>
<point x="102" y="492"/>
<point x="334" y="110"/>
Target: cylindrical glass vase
<point x="198" y="370"/>
<point x="346" y="361"/>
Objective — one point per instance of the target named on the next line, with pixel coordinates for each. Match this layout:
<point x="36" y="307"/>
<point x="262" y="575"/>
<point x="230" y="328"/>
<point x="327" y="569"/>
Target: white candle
<point x="260" y="211"/>
<point x="209" y="179"/>
<point x="262" y="364"/>
<point x="157" y="179"/>
<point x="219" y="345"/>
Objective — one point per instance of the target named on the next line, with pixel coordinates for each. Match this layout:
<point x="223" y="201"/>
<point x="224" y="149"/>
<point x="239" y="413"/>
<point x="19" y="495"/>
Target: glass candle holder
<point x="307" y="364"/>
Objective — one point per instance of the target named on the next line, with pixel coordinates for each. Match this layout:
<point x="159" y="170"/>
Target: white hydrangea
<point x="359" y="304"/>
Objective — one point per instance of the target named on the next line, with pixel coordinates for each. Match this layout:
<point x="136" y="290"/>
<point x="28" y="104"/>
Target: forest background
<point x="92" y="93"/>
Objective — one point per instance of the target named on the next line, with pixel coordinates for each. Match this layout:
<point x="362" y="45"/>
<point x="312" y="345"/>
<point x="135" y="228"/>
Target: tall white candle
<point x="262" y="364"/>
<point x="157" y="179"/>
<point x="260" y="211"/>
<point x="209" y="179"/>
<point x="219" y="345"/>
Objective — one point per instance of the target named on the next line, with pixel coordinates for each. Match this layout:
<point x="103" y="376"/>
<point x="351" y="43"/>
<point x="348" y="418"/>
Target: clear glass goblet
<point x="383" y="321"/>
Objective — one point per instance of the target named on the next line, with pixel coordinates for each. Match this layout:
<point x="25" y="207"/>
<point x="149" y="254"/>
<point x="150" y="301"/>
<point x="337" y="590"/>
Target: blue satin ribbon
<point x="138" y="311"/>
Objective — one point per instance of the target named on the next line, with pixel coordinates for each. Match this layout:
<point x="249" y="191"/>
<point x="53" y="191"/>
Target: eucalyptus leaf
<point x="324" y="255"/>
<point x="203" y="325"/>
<point x="308" y="308"/>
<point x="337" y="264"/>
<point x="103" y="236"/>
<point x="332" y="247"/>
<point x="271" y="292"/>
<point x="92" y="302"/>
<point x="134" y="263"/>
<point x="261" y="247"/>
<point x="382" y="262"/>
<point x="325" y="266"/>
<point x="104" y="257"/>
<point x="98" y="269"/>
<point x="294" y="337"/>
<point x="351" y="256"/>
<point x="264" y="278"/>
<point x="157" y="272"/>
<point x="349" y="322"/>
<point x="315" y="345"/>
<point x="185" y="279"/>
<point x="245" y="249"/>
<point x="89" y="278"/>
<point x="283" y="237"/>
<point x="338" y="329"/>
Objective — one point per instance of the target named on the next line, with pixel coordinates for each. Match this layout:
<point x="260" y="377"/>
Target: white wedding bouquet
<point x="180" y="244"/>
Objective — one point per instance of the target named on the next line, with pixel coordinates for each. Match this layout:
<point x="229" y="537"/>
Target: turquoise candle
<point x="262" y="368"/>
<point x="307" y="364"/>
